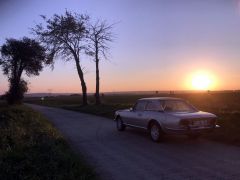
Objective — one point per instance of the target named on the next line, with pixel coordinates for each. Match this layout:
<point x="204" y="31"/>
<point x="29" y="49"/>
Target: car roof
<point x="159" y="98"/>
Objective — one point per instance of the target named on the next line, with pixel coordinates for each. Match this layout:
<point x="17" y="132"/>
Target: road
<point x="131" y="155"/>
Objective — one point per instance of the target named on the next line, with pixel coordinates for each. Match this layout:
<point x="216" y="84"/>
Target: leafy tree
<point x="64" y="35"/>
<point x="18" y="56"/>
<point x="100" y="34"/>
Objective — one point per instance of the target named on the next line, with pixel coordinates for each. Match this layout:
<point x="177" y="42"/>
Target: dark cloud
<point x="6" y="2"/>
<point x="6" y="5"/>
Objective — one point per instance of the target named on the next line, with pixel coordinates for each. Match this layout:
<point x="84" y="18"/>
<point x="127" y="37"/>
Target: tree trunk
<point x="83" y="84"/>
<point x="14" y="94"/>
<point x="97" y="96"/>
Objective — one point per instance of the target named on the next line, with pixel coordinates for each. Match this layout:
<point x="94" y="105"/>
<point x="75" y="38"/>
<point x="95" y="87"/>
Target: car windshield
<point x="177" y="106"/>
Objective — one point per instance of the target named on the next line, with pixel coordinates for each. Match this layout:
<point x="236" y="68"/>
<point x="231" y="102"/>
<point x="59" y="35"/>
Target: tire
<point x="120" y="125"/>
<point x="194" y="136"/>
<point x="156" y="132"/>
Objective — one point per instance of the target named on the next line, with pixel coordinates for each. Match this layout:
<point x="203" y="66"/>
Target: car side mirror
<point x="131" y="109"/>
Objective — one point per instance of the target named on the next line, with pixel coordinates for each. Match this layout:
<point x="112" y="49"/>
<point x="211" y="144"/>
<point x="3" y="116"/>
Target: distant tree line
<point x="68" y="36"/>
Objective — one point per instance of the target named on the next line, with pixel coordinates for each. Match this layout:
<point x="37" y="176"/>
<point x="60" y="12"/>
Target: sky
<point x="158" y="44"/>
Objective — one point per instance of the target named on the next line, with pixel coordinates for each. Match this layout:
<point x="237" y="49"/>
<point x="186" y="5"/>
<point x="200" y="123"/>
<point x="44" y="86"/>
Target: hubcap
<point x="154" y="132"/>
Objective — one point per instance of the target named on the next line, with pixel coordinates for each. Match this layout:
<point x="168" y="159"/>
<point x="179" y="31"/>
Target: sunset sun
<point x="201" y="81"/>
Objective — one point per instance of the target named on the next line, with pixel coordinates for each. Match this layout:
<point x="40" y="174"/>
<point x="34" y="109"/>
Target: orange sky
<point x="159" y="44"/>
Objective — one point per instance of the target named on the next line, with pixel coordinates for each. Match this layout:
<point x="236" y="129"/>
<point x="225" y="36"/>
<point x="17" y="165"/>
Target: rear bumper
<point x="190" y="130"/>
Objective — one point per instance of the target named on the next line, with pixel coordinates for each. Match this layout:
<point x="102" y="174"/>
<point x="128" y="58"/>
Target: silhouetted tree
<point x="100" y="34"/>
<point x="18" y="56"/>
<point x="64" y="35"/>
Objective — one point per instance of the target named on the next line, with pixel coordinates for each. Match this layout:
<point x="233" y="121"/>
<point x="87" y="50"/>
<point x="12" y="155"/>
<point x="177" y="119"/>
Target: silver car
<point x="166" y="115"/>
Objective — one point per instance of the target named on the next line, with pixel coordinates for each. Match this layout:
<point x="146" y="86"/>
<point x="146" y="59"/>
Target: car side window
<point x="140" y="106"/>
<point x="153" y="106"/>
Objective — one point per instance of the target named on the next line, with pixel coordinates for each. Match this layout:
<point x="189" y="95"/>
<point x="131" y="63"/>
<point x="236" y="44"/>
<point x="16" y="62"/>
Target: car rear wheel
<point x="156" y="132"/>
<point x="120" y="125"/>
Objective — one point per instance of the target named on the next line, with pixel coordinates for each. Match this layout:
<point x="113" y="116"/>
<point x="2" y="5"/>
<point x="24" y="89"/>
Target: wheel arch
<point x="117" y="116"/>
<point x="153" y="121"/>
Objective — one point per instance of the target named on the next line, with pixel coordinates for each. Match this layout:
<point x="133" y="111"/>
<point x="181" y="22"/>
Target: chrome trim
<point x="189" y="130"/>
<point x="134" y="126"/>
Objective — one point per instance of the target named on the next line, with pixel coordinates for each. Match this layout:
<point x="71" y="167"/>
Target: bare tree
<point x="100" y="34"/>
<point x="65" y="35"/>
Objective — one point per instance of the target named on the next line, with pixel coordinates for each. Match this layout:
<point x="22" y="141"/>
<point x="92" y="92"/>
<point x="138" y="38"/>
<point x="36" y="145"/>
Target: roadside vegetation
<point x="69" y="36"/>
<point x="31" y="148"/>
<point x="18" y="57"/>
<point x="226" y="105"/>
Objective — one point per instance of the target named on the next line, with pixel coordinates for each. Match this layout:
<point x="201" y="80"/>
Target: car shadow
<point x="132" y="133"/>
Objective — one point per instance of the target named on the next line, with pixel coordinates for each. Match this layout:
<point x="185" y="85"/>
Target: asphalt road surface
<point x="131" y="155"/>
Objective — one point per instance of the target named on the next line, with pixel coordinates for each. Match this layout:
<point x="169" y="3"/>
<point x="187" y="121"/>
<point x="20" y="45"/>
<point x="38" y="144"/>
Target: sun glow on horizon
<point x="202" y="81"/>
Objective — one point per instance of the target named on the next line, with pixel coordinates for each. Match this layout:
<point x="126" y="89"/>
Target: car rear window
<point x="177" y="106"/>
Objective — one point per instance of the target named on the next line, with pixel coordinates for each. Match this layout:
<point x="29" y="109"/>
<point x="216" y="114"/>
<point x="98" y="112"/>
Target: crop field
<point x="226" y="105"/>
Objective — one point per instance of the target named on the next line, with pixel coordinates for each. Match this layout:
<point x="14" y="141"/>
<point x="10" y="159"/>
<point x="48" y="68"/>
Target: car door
<point x="137" y="113"/>
<point x="153" y="110"/>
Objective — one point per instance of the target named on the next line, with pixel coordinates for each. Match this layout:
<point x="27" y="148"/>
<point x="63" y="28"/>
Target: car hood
<point x="198" y="114"/>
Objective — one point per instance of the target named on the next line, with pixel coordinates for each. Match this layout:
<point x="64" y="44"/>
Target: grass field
<point x="31" y="148"/>
<point x="226" y="105"/>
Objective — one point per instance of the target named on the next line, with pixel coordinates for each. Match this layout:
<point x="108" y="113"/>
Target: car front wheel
<point x="120" y="125"/>
<point x="156" y="132"/>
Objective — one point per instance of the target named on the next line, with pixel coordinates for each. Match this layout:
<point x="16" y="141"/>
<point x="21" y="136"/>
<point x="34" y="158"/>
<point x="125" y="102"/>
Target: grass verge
<point x="104" y="110"/>
<point x="31" y="148"/>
